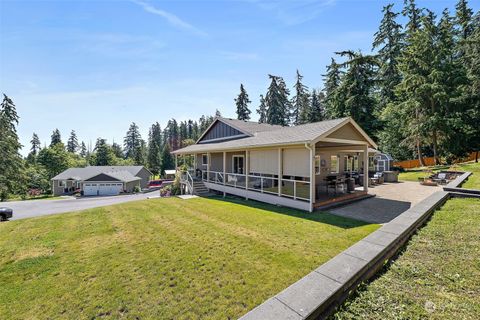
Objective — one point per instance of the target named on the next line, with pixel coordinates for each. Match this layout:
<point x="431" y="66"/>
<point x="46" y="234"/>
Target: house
<point x="306" y="166"/>
<point x="101" y="180"/>
<point x="382" y="162"/>
<point x="170" y="174"/>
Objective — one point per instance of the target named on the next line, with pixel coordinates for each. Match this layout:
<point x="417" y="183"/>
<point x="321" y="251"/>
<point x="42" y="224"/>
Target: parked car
<point x="152" y="184"/>
<point x="5" y="213"/>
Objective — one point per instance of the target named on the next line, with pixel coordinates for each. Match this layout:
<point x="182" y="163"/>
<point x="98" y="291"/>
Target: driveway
<point x="390" y="201"/>
<point x="36" y="208"/>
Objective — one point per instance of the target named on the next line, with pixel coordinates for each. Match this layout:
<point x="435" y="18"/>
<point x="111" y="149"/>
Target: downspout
<point x="312" y="179"/>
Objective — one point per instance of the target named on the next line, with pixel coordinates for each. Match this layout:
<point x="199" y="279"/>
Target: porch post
<point x="365" y="168"/>
<point x="208" y="166"/>
<point x="280" y="171"/>
<point x="313" y="176"/>
<point x="247" y="170"/>
<point x="194" y="162"/>
<point x="176" y="162"/>
<point x="224" y="169"/>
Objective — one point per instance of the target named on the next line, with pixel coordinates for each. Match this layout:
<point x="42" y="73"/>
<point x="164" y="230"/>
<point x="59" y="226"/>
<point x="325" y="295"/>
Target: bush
<point x="137" y="189"/>
<point x="166" y="191"/>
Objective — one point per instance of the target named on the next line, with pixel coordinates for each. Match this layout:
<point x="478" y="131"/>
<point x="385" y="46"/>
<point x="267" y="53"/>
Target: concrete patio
<point x="391" y="199"/>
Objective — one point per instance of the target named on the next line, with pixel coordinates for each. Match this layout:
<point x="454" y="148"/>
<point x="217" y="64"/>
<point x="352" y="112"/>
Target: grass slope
<point x="436" y="277"/>
<point x="162" y="258"/>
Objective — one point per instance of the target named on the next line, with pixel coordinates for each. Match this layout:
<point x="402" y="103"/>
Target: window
<point x="237" y="164"/>
<point x="371" y="163"/>
<point x="61" y="183"/>
<point x="204" y="159"/>
<point x="317" y="164"/>
<point x="355" y="163"/>
<point x="347" y="164"/>
<point x="334" y="164"/>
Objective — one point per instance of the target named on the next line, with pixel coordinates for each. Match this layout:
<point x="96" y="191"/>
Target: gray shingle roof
<point x="124" y="173"/>
<point x="278" y="135"/>
<point x="250" y="127"/>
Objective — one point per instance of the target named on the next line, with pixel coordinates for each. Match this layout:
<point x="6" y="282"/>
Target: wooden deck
<point x="331" y="199"/>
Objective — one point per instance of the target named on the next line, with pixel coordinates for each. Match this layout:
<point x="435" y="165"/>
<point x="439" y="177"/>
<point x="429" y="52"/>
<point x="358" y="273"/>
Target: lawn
<point x="473" y="181"/>
<point x="436" y="277"/>
<point x="163" y="258"/>
<point x="41" y="197"/>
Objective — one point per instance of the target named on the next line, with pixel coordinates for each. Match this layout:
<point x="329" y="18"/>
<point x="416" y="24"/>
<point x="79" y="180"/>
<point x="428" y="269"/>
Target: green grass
<point x="436" y="277"/>
<point x="473" y="181"/>
<point x="163" y="258"/>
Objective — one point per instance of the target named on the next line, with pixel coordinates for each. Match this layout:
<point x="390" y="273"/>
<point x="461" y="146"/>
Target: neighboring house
<point x="170" y="174"/>
<point x="101" y="180"/>
<point x="291" y="166"/>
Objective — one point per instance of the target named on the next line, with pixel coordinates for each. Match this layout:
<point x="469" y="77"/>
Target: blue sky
<point x="97" y="66"/>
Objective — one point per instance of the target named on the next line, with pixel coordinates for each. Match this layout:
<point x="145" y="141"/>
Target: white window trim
<point x="233" y="161"/>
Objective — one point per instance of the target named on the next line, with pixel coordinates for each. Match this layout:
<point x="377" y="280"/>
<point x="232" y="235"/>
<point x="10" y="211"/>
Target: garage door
<point x="102" y="189"/>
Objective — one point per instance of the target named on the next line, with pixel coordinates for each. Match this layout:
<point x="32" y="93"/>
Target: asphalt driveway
<point x="36" y="208"/>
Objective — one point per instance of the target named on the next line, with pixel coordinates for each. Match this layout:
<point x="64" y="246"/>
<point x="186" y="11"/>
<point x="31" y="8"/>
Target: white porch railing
<point x="295" y="189"/>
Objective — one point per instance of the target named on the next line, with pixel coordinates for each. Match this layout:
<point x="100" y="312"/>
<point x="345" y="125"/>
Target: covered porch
<point x="304" y="177"/>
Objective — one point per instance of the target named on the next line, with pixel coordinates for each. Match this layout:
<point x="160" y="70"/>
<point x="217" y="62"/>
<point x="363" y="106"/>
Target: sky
<point x="96" y="66"/>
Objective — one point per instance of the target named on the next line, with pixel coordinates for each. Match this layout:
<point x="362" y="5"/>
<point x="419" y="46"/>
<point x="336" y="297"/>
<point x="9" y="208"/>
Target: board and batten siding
<point x="219" y="131"/>
<point x="296" y="162"/>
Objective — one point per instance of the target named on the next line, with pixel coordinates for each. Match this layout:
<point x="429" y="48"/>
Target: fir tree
<point x="36" y="145"/>
<point x="117" y="150"/>
<point x="357" y="89"/>
<point x="103" y="153"/>
<point x="72" y="143"/>
<point x="155" y="149"/>
<point x="168" y="162"/>
<point x="11" y="163"/>
<point x="277" y="102"/>
<point x="56" y="137"/>
<point x="414" y="15"/>
<point x="317" y="111"/>
<point x="464" y="19"/>
<point x="242" y="101"/>
<point x="388" y="41"/>
<point x="83" y="150"/>
<point x="300" y="102"/>
<point x="262" y="110"/>
<point x="332" y="81"/>
<point x="133" y="144"/>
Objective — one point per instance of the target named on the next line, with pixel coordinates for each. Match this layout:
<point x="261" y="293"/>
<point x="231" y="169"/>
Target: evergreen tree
<point x="300" y="102"/>
<point x="172" y="133"/>
<point x="463" y="19"/>
<point x="55" y="159"/>
<point x="332" y="81"/>
<point x="83" y="150"/>
<point x="36" y="145"/>
<point x="277" y="102"/>
<point x="103" y="153"/>
<point x="218" y="114"/>
<point x="56" y="138"/>
<point x="242" y="101"/>
<point x="117" y="150"/>
<point x="388" y="41"/>
<point x="183" y="133"/>
<point x="317" y="111"/>
<point x="155" y="149"/>
<point x="133" y="144"/>
<point x="72" y="143"/>
<point x="168" y="162"/>
<point x="262" y="110"/>
<point x="11" y="163"/>
<point x="357" y="89"/>
<point x="414" y="15"/>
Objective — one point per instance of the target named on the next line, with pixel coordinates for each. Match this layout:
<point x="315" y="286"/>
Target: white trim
<point x="224" y="138"/>
<point x="204" y="154"/>
<point x="271" y="198"/>
<point x="350" y="142"/>
<point x="233" y="162"/>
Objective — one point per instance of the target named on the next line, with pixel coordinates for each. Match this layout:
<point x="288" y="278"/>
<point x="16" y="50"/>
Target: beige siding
<point x="347" y="132"/>
<point x="296" y="162"/>
<point x="264" y="161"/>
<point x="216" y="162"/>
<point x="144" y="174"/>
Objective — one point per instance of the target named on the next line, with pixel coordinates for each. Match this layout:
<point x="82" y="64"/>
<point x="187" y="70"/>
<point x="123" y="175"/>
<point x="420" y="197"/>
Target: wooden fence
<point x="428" y="161"/>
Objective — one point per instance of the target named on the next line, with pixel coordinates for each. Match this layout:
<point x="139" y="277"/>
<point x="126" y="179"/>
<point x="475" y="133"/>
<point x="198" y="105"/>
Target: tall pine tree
<point x="55" y="138"/>
<point x="300" y="102"/>
<point x="72" y="143"/>
<point x="262" y="110"/>
<point x="242" y="101"/>
<point x="332" y="80"/>
<point x="277" y="102"/>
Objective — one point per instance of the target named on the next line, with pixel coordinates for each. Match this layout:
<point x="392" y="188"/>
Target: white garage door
<point x="102" y="189"/>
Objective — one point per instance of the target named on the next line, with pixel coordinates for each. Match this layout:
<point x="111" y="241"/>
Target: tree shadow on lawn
<point x="317" y="216"/>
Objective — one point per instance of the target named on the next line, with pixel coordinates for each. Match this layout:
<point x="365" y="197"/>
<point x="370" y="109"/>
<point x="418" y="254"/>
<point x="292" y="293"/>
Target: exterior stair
<point x="199" y="189"/>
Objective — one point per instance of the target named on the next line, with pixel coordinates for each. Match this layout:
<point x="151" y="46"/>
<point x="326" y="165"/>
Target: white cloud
<point x="170" y="18"/>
